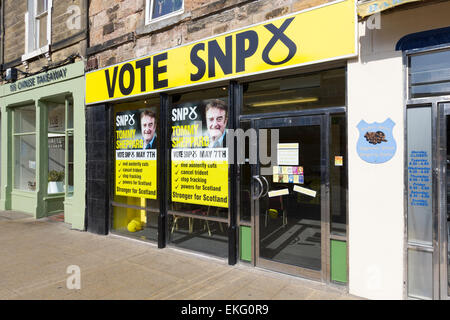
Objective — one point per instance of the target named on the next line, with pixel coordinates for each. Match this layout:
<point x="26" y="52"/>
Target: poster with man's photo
<point x="136" y="143"/>
<point x="199" y="154"/>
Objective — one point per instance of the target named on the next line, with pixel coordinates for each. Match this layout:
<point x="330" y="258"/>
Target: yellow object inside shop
<point x="128" y="218"/>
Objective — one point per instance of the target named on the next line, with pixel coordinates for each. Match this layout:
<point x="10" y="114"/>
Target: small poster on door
<point x="288" y="174"/>
<point x="287" y="154"/>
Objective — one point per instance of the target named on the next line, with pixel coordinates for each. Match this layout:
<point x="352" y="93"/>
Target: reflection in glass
<point x="42" y="23"/>
<point x="165" y="7"/>
<point x="25" y="120"/>
<point x="420" y="274"/>
<point x="429" y="74"/>
<point x="338" y="181"/>
<point x="25" y="162"/>
<point x="56" y="147"/>
<point x="290" y="225"/>
<point x="56" y="118"/>
<point x="420" y="201"/>
<point x="70" y="114"/>
<point x="245" y="181"/>
<point x="70" y="166"/>
<point x="317" y="90"/>
<point x="205" y="236"/>
<point x="56" y="163"/>
<point x="448" y="203"/>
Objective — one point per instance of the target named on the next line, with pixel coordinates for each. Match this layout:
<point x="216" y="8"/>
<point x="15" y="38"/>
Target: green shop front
<point x="43" y="144"/>
<point x="233" y="146"/>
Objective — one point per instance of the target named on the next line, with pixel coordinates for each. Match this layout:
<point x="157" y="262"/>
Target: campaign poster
<point x="199" y="153"/>
<point x="136" y="153"/>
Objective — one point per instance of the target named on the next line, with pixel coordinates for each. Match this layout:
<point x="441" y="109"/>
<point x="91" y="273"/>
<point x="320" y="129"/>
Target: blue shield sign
<point x="376" y="142"/>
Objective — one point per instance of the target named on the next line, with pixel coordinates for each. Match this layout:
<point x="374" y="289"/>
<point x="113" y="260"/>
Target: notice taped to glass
<point x="199" y="158"/>
<point x="136" y="154"/>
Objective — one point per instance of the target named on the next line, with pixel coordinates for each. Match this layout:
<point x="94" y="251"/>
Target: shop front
<point x="43" y="151"/>
<point x="234" y="146"/>
<point x="399" y="85"/>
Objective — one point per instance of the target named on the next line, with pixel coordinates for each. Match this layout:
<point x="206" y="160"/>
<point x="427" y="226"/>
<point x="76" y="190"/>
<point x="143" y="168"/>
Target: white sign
<point x="287" y="154"/>
<point x="308" y="192"/>
<point x="278" y="193"/>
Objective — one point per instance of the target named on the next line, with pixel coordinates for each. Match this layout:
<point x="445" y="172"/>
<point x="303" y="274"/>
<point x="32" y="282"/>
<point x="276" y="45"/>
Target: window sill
<point x="162" y="23"/>
<point x="51" y="196"/>
<point x="27" y="56"/>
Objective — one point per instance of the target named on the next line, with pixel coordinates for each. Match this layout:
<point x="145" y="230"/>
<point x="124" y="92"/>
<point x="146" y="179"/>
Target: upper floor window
<point x="429" y="74"/>
<point x="37" y="27"/>
<point x="159" y="9"/>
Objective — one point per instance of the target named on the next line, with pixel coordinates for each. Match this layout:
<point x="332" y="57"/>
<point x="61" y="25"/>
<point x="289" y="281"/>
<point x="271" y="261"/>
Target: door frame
<point x="438" y="177"/>
<point x="298" y="121"/>
<point x="327" y="113"/>
<point x="444" y="110"/>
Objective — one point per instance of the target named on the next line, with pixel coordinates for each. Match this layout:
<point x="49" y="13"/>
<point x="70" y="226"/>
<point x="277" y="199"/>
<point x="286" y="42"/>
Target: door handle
<point x="261" y="185"/>
<point x="267" y="183"/>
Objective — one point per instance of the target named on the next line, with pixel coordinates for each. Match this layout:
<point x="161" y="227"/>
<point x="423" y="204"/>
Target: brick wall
<point x="111" y="20"/>
<point x="65" y="41"/>
<point x="14" y="43"/>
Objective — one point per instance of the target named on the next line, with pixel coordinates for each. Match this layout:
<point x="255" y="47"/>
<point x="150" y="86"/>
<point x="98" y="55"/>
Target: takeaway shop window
<point x="315" y="90"/>
<point x="158" y="9"/>
<point x="25" y="148"/>
<point x="429" y="74"/>
<point x="198" y="180"/>
<point x="136" y="152"/>
<point x="60" y="146"/>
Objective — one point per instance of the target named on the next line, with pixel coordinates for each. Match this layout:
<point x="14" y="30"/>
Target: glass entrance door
<point x="445" y="201"/>
<point x="289" y="196"/>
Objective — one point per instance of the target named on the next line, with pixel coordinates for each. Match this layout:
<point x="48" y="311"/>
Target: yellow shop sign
<point x="324" y="33"/>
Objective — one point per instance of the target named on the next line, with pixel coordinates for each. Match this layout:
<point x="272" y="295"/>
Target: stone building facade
<point x="68" y="34"/>
<point x="118" y="31"/>
<point x="42" y="107"/>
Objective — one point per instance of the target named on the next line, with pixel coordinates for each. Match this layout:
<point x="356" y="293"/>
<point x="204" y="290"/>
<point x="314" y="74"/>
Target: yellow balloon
<point x="273" y="213"/>
<point x="134" y="225"/>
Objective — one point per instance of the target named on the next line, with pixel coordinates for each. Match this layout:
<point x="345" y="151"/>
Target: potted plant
<point x="55" y="181"/>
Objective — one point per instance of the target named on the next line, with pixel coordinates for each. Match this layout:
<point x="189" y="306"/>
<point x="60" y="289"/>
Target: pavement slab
<point x="35" y="256"/>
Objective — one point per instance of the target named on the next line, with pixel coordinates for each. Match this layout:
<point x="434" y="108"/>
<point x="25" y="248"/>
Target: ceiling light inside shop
<point x="284" y="102"/>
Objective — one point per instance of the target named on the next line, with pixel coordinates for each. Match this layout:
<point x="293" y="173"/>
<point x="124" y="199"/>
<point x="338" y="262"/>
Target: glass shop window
<point x="60" y="147"/>
<point x="315" y="90"/>
<point x="136" y="174"/>
<point x="25" y="148"/>
<point x="429" y="74"/>
<point x="338" y="175"/>
<point x="198" y="179"/>
<point x="56" y="148"/>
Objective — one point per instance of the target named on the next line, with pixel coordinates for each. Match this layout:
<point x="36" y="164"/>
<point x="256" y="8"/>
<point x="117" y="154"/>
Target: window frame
<point x="67" y="133"/>
<point x="15" y="135"/>
<point x="33" y="30"/>
<point x="149" y="10"/>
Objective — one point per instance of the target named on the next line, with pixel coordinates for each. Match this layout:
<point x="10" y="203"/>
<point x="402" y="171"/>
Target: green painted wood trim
<point x="338" y="261"/>
<point x="74" y="86"/>
<point x="245" y="243"/>
<point x="73" y="70"/>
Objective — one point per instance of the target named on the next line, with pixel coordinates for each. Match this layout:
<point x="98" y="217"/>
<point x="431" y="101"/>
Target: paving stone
<point x="35" y="254"/>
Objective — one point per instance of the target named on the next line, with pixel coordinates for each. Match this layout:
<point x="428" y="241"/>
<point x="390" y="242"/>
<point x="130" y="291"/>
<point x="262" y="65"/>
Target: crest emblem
<point x="376" y="143"/>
